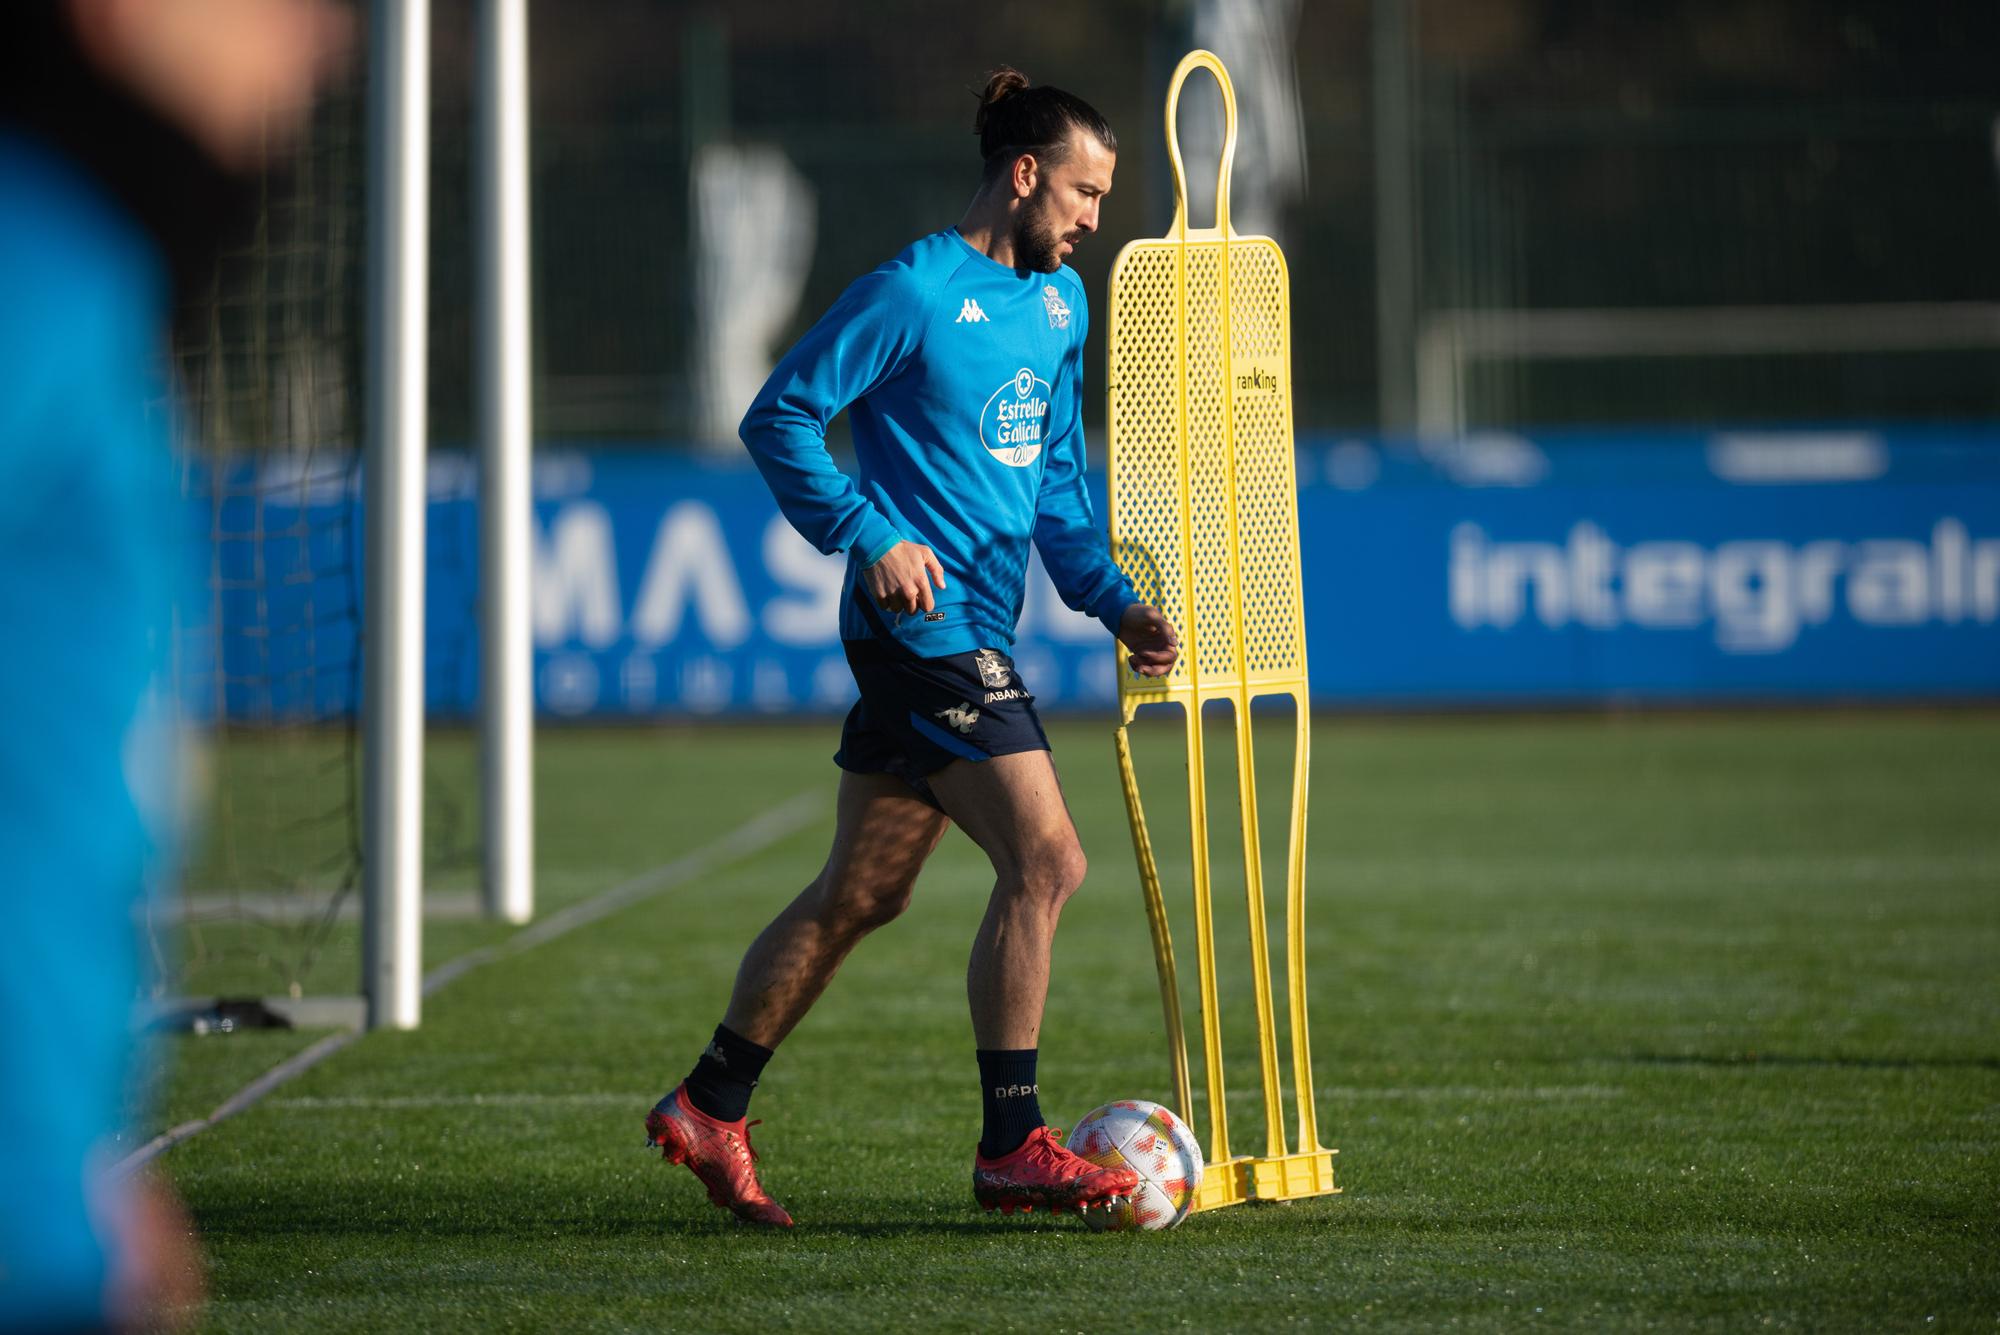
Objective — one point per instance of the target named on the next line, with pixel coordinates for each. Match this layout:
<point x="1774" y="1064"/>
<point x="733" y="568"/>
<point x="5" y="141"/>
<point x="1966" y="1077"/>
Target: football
<point x="1153" y="1143"/>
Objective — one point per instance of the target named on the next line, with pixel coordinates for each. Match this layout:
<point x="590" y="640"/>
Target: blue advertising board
<point x="1685" y="567"/>
<point x="1500" y="569"/>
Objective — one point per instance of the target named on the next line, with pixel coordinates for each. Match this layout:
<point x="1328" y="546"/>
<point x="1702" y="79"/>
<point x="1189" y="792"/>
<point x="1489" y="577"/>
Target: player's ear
<point x="1026" y="170"/>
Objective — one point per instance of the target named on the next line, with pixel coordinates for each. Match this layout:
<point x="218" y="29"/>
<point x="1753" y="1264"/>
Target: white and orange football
<point x="1153" y="1143"/>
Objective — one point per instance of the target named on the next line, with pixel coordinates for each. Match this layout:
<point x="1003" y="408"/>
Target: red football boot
<point x="718" y="1153"/>
<point x="1041" y="1172"/>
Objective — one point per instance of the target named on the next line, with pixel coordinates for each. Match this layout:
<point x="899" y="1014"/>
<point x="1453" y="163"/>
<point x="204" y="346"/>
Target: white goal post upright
<point x="505" y="417"/>
<point x="392" y="703"/>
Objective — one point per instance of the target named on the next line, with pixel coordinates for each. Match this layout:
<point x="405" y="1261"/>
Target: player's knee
<point x="858" y="908"/>
<point x="1053" y="872"/>
<point x="883" y="907"/>
<point x="1074" y="867"/>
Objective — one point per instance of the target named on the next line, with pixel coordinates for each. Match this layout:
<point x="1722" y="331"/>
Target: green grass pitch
<point x="1671" y="1021"/>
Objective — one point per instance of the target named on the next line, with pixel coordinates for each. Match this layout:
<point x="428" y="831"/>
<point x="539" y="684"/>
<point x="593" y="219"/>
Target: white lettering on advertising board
<point x="1759" y="593"/>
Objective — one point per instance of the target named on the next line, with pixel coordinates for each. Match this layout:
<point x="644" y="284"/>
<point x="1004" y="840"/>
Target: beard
<point x="1038" y="241"/>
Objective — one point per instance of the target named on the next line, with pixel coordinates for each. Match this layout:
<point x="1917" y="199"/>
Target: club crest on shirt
<point x="1014" y="418"/>
<point x="1058" y="309"/>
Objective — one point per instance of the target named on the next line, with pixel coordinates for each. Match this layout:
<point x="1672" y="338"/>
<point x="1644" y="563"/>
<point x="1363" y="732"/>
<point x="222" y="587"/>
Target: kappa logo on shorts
<point x="961" y="716"/>
<point x="993" y="667"/>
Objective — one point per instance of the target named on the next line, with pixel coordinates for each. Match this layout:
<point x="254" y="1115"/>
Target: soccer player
<point x="131" y="132"/>
<point x="961" y="364"/>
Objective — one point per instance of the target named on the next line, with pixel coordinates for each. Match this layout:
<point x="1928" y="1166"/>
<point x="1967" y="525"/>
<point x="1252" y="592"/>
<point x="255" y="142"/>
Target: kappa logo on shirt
<point x="970" y="313"/>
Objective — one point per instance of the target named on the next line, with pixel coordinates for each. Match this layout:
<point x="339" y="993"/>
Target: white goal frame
<point x="1452" y="340"/>
<point x="397" y="448"/>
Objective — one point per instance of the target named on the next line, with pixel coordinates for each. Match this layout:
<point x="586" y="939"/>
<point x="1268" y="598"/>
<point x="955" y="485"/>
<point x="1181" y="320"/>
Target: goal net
<point x="268" y="421"/>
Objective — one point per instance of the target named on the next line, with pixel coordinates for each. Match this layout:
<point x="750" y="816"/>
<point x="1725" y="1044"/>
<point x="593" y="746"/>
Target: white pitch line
<point x="292" y="907"/>
<point x="753" y="836"/>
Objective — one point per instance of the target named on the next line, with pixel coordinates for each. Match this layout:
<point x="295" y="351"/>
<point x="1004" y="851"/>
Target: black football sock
<point x="721" y="1081"/>
<point x="1010" y="1097"/>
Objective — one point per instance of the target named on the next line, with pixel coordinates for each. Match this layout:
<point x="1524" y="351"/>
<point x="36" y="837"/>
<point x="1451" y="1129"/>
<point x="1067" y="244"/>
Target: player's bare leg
<point x="1013" y="808"/>
<point x="882" y="836"/>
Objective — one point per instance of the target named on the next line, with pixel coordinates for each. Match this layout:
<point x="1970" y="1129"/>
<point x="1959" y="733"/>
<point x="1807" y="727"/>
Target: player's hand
<point x="901" y="580"/>
<point x="1153" y="643"/>
<point x="157" y="1282"/>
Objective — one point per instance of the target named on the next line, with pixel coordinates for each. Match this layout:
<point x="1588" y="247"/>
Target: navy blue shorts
<point x="917" y="715"/>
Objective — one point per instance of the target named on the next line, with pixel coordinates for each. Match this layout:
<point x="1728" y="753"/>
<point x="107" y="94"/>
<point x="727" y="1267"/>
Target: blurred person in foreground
<point x="130" y="131"/>
<point x="962" y="362"/>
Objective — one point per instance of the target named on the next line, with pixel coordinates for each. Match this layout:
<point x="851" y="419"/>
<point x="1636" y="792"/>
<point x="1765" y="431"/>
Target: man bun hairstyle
<point x="1015" y="117"/>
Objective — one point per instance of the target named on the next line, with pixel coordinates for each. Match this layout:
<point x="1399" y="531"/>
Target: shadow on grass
<point x="527" y="1213"/>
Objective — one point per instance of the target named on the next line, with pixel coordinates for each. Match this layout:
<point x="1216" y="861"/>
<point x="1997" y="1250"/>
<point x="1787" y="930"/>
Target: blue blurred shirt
<point x="965" y="380"/>
<point x="90" y="558"/>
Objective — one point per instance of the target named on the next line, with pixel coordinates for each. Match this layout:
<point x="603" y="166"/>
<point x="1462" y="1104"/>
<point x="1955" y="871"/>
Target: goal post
<point x="504" y="387"/>
<point x="394" y="473"/>
<point x="300" y="421"/>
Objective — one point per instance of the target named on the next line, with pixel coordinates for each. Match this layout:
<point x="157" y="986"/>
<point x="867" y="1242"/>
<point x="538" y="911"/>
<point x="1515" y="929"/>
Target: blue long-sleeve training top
<point x="91" y="558"/>
<point x="964" y="383"/>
